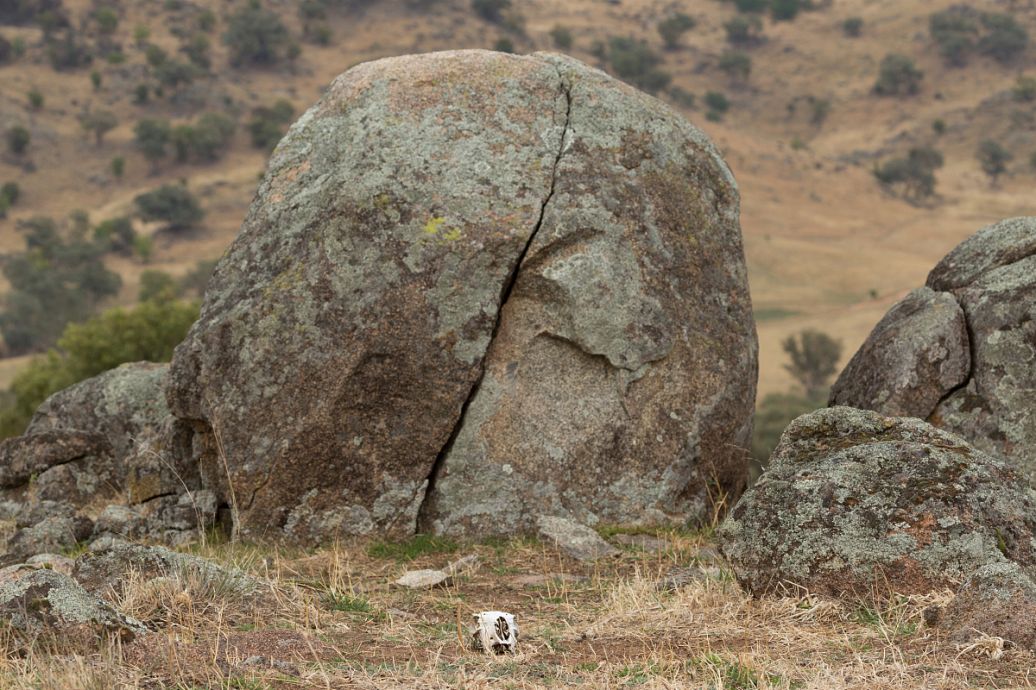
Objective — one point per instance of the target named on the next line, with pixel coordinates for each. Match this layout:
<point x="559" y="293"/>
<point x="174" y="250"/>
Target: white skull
<point x="495" y="631"/>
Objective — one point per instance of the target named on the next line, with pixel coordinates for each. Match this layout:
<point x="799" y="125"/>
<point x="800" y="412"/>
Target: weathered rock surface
<point x="915" y="355"/>
<point x="998" y="600"/>
<point x="992" y="276"/>
<point x="578" y="541"/>
<point x="105" y="571"/>
<point x="853" y="500"/>
<point x="422" y="579"/>
<point x="46" y="604"/>
<point x="512" y="277"/>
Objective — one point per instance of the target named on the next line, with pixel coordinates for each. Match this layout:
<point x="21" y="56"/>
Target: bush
<point x="915" y="173"/>
<point x="785" y="10"/>
<point x="814" y="357"/>
<point x="197" y="51"/>
<point x="98" y="123"/>
<point x="51" y="283"/>
<point x="490" y="10"/>
<point x="993" y="158"/>
<point x="116" y="235"/>
<point x="35" y="99"/>
<point x="107" y="20"/>
<point x="268" y="123"/>
<point x="18" y="139"/>
<point x="255" y="36"/>
<point x="10" y="192"/>
<point x="152" y="137"/>
<point x="95" y="79"/>
<point x="562" y="37"/>
<point x="853" y="27"/>
<point x="744" y="31"/>
<point x="157" y="286"/>
<point x="67" y="52"/>
<point x="504" y="45"/>
<point x="939" y="126"/>
<point x="148" y="332"/>
<point x="1025" y="89"/>
<point x="736" y="64"/>
<point x="673" y="28"/>
<point x="898" y="76"/>
<point x="634" y="62"/>
<point x="954" y="30"/>
<point x="172" y="204"/>
<point x="716" y="102"/>
<point x="751" y="5"/>
<point x="118" y="167"/>
<point x="1006" y="38"/>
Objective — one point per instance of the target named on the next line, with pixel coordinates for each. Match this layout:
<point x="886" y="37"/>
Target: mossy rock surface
<point x="855" y="503"/>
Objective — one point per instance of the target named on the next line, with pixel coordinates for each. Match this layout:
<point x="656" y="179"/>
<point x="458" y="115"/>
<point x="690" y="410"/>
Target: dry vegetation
<point x="332" y="619"/>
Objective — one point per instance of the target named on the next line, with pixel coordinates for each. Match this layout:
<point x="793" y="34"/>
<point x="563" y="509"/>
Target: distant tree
<point x="197" y="49"/>
<point x="674" y="27"/>
<point x="95" y="79"/>
<point x="504" y="45"/>
<point x="751" y="5"/>
<point x="181" y="136"/>
<point x="18" y="139"/>
<point x="716" y="102"/>
<point x="853" y="27"/>
<point x="67" y="52"/>
<point x="141" y="34"/>
<point x="939" y="126"/>
<point x="736" y="64"/>
<point x="115" y="235"/>
<point x="490" y="10"/>
<point x="206" y="20"/>
<point x="98" y="123"/>
<point x="915" y="173"/>
<point x="255" y="36"/>
<point x="141" y="94"/>
<point x="898" y="76"/>
<point x="211" y="136"/>
<point x="955" y="31"/>
<point x="267" y="124"/>
<point x="785" y="10"/>
<point x="152" y="138"/>
<point x="562" y="37"/>
<point x="107" y="20"/>
<point x="35" y="98"/>
<point x="1025" y="89"/>
<point x="10" y="192"/>
<point x="172" y="204"/>
<point x="814" y="358"/>
<point x="1005" y="39"/>
<point x="993" y="158"/>
<point x="634" y="62"/>
<point x="157" y="286"/>
<point x="118" y="166"/>
<point x="744" y="31"/>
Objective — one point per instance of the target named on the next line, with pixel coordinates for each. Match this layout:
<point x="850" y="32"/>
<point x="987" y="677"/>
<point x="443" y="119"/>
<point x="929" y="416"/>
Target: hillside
<point x="827" y="246"/>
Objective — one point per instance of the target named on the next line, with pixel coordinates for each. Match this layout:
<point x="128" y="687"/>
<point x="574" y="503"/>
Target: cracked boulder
<point x="853" y="502"/>
<point x="961" y="352"/>
<point x="474" y="288"/>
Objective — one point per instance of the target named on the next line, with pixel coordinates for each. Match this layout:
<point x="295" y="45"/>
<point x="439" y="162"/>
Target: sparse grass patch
<point x="417" y="546"/>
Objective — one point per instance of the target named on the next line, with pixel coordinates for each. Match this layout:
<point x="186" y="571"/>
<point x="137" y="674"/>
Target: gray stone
<point x="25" y="457"/>
<point x="53" y="561"/>
<point x="853" y="500"/>
<point x="423" y="579"/>
<point x="513" y="277"/>
<point x="915" y="355"/>
<point x="578" y="541"/>
<point x="46" y="536"/>
<point x="46" y="604"/>
<point x="105" y="571"/>
<point x="997" y="600"/>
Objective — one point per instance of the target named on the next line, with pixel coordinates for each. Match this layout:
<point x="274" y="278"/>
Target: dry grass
<point x="331" y="619"/>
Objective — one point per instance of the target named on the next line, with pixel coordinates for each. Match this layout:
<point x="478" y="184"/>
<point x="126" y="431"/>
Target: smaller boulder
<point x="578" y="541"/>
<point x="853" y="500"/>
<point x="25" y="457"/>
<point x="49" y="535"/>
<point x="998" y="600"/>
<point x="422" y="579"/>
<point x="46" y="604"/>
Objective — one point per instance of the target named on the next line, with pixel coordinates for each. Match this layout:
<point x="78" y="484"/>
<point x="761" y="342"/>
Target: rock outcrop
<point x="976" y="377"/>
<point x="854" y="502"/>
<point x="475" y="287"/>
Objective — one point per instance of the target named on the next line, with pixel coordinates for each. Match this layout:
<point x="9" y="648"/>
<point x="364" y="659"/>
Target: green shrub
<point x="736" y="64"/>
<point x="634" y="62"/>
<point x="785" y="10"/>
<point x="716" y="102"/>
<point x="939" y="126"/>
<point x="898" y="76"/>
<point x="152" y="138"/>
<point x="268" y="123"/>
<point x="171" y="204"/>
<point x="35" y="99"/>
<point x="10" y="192"/>
<point x="1005" y="39"/>
<point x="744" y="31"/>
<point x="116" y="235"/>
<point x="673" y="28"/>
<point x="955" y="31"/>
<point x="562" y="37"/>
<point x="682" y="97"/>
<point x="141" y="94"/>
<point x="751" y="5"/>
<point x="490" y="10"/>
<point x="914" y="174"/>
<point x="993" y="158"/>
<point x="148" y="332"/>
<point x="67" y="52"/>
<point x="197" y="50"/>
<point x="255" y="36"/>
<point x="107" y="20"/>
<point x="118" y="167"/>
<point x="98" y="123"/>
<point x="95" y="79"/>
<point x="504" y="45"/>
<point x="157" y="286"/>
<point x="853" y="27"/>
<point x="18" y="139"/>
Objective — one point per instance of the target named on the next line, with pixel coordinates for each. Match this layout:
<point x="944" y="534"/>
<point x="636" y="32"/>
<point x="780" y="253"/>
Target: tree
<point x="744" y="31"/>
<point x="157" y="286"/>
<point x="853" y="27"/>
<point x="751" y="5"/>
<point x="255" y="36"/>
<point x="490" y="10"/>
<point x="1006" y="38"/>
<point x="268" y="122"/>
<point x="993" y="158"/>
<point x="67" y="51"/>
<point x="149" y="332"/>
<point x="99" y="123"/>
<point x="562" y="37"/>
<point x="785" y="10"/>
<point x="152" y="137"/>
<point x="118" y="166"/>
<point x="116" y="235"/>
<point x="673" y="28"/>
<point x="171" y="204"/>
<point x="814" y="357"/>
<point x="634" y="62"/>
<point x="736" y="64"/>
<point x="898" y="76"/>
<point x="915" y="173"/>
<point x="955" y="31"/>
<point x="35" y="99"/>
<point x="18" y="139"/>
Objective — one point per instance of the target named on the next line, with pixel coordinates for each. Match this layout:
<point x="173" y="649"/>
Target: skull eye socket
<point x="503" y="630"/>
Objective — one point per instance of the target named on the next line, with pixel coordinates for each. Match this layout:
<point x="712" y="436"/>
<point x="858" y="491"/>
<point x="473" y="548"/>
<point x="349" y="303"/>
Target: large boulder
<point x="974" y="377"/>
<point x="479" y="287"/>
<point x="853" y="501"/>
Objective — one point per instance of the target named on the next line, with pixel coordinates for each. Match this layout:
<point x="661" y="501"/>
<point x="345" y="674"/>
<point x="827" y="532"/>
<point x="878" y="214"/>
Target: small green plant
<point x="744" y="31"/>
<point x="785" y="10"/>
<point x="673" y="28"/>
<point x="141" y="94"/>
<point x="18" y="139"/>
<point x="736" y="64"/>
<point x="141" y="34"/>
<point x="898" y="76"/>
<point x="35" y="97"/>
<point x="98" y="123"/>
<point x="416" y="546"/>
<point x="95" y="79"/>
<point x="562" y="37"/>
<point x="118" y="167"/>
<point x="939" y="126"/>
<point x="853" y="27"/>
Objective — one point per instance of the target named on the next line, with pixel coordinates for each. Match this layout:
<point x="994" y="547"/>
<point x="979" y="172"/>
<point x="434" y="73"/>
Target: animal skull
<point x="495" y="631"/>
